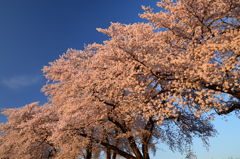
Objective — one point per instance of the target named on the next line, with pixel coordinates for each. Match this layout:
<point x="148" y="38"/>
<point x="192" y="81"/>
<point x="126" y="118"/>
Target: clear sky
<point x="35" y="32"/>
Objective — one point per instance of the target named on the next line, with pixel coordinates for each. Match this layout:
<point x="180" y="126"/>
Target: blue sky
<point x="35" y="32"/>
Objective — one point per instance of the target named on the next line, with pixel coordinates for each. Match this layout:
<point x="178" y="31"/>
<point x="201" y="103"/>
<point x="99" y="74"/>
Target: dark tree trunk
<point x="114" y="156"/>
<point x="108" y="153"/>
<point x="89" y="151"/>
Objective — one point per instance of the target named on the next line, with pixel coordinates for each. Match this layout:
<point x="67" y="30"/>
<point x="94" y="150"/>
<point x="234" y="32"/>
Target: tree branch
<point x="229" y="110"/>
<point x="149" y="127"/>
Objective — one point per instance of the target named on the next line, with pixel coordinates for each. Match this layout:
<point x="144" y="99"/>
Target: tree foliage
<point x="162" y="81"/>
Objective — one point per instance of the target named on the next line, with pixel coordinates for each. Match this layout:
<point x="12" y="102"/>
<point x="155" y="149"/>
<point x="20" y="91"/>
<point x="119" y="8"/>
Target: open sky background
<point x="35" y="32"/>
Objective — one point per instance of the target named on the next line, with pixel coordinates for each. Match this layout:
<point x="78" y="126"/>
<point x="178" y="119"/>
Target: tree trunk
<point x="89" y="151"/>
<point x="108" y="153"/>
<point x="114" y="156"/>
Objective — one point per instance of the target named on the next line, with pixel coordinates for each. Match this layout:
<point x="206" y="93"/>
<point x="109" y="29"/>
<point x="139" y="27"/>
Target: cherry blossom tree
<point x="203" y="42"/>
<point x="26" y="133"/>
<point x="162" y="81"/>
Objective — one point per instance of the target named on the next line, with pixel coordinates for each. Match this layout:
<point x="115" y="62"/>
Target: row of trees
<point x="162" y="81"/>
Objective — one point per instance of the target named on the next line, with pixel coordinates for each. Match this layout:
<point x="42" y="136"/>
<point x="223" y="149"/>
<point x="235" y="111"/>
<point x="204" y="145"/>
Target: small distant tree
<point x="149" y="83"/>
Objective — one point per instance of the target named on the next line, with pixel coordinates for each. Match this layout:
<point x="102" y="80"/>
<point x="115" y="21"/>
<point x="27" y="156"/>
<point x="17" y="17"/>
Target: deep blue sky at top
<point x="35" y="32"/>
